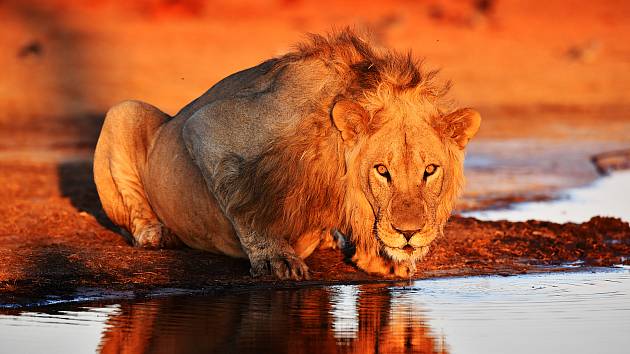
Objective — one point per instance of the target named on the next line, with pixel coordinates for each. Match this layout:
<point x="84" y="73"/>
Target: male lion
<point x="336" y="135"/>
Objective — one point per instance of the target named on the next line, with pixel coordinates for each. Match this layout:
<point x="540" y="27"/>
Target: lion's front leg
<point x="270" y="255"/>
<point x="219" y="148"/>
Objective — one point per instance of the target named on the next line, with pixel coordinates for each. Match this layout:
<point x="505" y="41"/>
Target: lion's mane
<point x="299" y="183"/>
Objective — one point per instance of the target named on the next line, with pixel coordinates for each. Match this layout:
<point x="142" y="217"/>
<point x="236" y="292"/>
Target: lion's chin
<point x="406" y="254"/>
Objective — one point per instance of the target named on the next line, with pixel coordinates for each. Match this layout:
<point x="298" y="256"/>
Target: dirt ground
<point x="552" y="81"/>
<point x="55" y="240"/>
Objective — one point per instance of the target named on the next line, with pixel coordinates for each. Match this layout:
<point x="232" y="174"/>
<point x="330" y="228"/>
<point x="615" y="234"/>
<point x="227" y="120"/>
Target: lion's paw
<point x="155" y="236"/>
<point x="282" y="267"/>
<point x="377" y="265"/>
<point x="404" y="270"/>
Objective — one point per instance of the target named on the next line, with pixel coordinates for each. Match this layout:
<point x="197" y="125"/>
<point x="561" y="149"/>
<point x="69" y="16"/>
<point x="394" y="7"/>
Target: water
<point x="608" y="196"/>
<point x="576" y="312"/>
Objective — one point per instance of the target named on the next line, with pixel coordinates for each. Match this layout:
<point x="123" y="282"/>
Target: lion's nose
<point x="408" y="234"/>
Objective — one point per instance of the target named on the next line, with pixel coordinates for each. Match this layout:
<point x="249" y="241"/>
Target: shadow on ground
<point x="76" y="182"/>
<point x="76" y="176"/>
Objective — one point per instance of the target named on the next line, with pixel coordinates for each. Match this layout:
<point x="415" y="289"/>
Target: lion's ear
<point x="350" y="119"/>
<point x="462" y="125"/>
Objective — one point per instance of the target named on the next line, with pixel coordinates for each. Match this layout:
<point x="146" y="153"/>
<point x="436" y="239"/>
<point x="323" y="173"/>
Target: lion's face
<point x="404" y="174"/>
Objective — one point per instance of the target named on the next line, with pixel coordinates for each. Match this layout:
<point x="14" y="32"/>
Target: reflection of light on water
<point x="406" y="313"/>
<point x="579" y="312"/>
<point x="608" y="196"/>
<point x="576" y="312"/>
<point x="344" y="311"/>
<point x="63" y="332"/>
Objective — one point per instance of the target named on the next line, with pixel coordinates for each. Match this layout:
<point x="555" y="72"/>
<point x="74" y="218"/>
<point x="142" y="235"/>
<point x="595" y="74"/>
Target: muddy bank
<point x="55" y="240"/>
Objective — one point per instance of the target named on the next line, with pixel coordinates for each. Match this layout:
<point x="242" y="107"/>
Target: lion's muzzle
<point x="407" y="216"/>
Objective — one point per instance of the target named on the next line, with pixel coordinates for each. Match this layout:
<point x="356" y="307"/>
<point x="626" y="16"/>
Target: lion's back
<point x="248" y="110"/>
<point x="277" y="84"/>
<point x="230" y="86"/>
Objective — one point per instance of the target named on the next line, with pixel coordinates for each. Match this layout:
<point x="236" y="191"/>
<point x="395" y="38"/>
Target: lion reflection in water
<point x="337" y="135"/>
<point x="269" y="321"/>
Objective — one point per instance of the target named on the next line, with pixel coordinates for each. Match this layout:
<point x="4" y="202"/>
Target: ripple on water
<point x="575" y="312"/>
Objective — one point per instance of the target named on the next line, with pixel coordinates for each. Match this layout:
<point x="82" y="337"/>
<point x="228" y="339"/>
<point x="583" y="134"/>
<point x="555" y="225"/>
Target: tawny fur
<point x="305" y="176"/>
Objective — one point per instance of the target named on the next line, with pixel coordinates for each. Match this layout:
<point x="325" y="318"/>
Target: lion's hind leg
<point x="119" y="161"/>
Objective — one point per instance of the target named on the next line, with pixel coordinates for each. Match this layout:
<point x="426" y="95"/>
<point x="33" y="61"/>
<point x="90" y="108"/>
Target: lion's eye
<point x="383" y="171"/>
<point x="429" y="170"/>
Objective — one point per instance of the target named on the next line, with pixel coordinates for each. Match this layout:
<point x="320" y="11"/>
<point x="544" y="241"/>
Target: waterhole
<point x="586" y="311"/>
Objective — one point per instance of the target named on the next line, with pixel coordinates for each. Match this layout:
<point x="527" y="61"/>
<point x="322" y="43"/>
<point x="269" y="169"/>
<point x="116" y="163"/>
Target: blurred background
<point x="551" y="78"/>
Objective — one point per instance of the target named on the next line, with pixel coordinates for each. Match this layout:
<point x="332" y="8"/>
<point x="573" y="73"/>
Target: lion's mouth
<point x="399" y="252"/>
<point x="403" y="254"/>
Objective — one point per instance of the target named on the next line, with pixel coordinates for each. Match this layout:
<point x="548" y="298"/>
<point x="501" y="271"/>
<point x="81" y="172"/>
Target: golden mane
<point x="299" y="183"/>
<point x="369" y="69"/>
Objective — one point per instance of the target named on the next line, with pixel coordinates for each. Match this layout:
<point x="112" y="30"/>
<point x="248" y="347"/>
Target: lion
<point x="335" y="137"/>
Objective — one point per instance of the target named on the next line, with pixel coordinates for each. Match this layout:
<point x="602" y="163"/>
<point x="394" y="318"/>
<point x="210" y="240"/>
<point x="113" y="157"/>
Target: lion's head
<point x="378" y="155"/>
<point x="405" y="164"/>
<point x="403" y="151"/>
